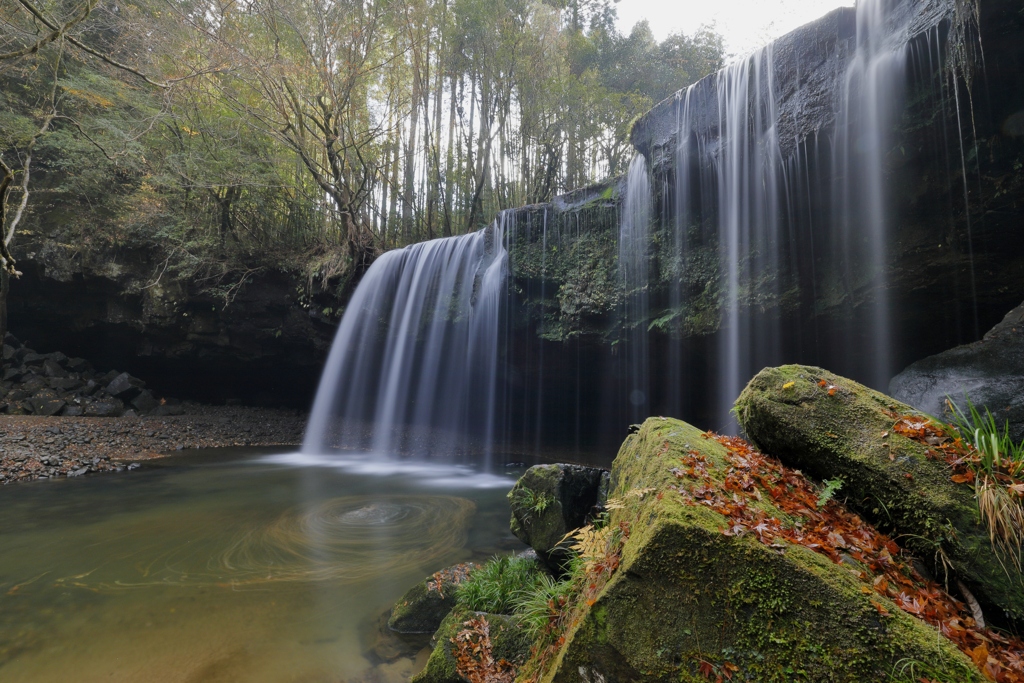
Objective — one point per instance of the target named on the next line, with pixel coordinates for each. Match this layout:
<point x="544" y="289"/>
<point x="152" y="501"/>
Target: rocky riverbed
<point x="39" y="447"/>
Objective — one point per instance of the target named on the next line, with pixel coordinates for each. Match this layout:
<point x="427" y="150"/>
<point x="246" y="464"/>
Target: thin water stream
<point x="229" y="565"/>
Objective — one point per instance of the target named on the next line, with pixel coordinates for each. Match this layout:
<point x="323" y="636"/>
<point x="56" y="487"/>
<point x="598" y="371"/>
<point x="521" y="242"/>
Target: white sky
<point x="745" y="24"/>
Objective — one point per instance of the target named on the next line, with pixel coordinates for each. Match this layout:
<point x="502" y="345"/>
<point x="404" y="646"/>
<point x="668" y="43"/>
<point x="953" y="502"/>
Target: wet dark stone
<point x="989" y="372"/>
<point x="107" y="408"/>
<point x="46" y="405"/>
<point x="52" y="368"/>
<point x="34" y="383"/>
<point x="167" y="409"/>
<point x="65" y="383"/>
<point x="145" y="402"/>
<point x="78" y="365"/>
<point x="125" y="387"/>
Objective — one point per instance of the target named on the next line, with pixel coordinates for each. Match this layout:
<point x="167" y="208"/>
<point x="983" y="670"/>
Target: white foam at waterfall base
<point x="424" y="472"/>
<point x="416" y="354"/>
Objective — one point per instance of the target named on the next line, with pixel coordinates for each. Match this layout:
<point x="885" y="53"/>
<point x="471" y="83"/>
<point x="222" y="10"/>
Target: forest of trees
<point x="242" y="133"/>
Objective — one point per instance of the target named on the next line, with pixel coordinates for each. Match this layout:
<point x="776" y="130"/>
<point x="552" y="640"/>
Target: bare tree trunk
<point x="408" y="186"/>
<point x="393" y="209"/>
<point x="5" y="287"/>
<point x="448" y="170"/>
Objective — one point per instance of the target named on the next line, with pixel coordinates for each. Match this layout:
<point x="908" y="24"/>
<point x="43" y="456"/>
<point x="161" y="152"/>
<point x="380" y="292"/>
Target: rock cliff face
<point x="806" y="288"/>
<point x="261" y="343"/>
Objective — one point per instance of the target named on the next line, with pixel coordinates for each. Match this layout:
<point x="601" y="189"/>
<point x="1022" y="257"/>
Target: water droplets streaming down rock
<point x="413" y="367"/>
<point x="634" y="258"/>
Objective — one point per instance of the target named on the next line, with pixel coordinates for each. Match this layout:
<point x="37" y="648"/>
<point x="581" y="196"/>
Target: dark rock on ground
<point x="989" y="372"/>
<point x="425" y="605"/>
<point x="548" y="502"/>
<point x="125" y="387"/>
<point x="70" y="386"/>
<point x="843" y="429"/>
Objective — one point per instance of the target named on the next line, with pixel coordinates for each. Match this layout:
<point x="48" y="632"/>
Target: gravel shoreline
<point x="37" y="447"/>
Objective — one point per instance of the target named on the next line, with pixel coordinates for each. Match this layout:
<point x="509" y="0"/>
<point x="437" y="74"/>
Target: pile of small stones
<point x="54" y="455"/>
<point x="52" y="384"/>
<point x="35" y="447"/>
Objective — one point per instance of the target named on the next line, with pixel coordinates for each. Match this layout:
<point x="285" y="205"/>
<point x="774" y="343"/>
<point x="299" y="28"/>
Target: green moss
<point x="685" y="594"/>
<point x="425" y="605"/>
<point x="508" y="640"/>
<point x="889" y="478"/>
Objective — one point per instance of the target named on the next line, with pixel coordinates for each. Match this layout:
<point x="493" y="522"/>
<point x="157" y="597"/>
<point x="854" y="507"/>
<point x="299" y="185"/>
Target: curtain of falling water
<point x="634" y="257"/>
<point x="748" y="218"/>
<point x="730" y="172"/>
<point x="870" y="98"/>
<point x="414" y="363"/>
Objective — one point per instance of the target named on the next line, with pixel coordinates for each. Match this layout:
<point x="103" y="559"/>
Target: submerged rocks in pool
<point x="426" y="604"/>
<point x="549" y="501"/>
<point x="475" y="646"/>
<point x="832" y="427"/>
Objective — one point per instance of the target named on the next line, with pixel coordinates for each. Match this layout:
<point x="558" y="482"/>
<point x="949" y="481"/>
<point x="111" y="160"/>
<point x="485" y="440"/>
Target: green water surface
<point x="221" y="566"/>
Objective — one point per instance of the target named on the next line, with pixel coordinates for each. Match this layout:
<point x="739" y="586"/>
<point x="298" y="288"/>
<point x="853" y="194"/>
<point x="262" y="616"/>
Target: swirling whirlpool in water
<point x="341" y="539"/>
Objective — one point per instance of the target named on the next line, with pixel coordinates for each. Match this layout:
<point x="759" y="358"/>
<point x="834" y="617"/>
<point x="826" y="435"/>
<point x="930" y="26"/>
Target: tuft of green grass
<point x="996" y="448"/>
<point x="531" y="501"/>
<point x="539" y="605"/>
<point x="999" y="466"/>
<point x="494" y="586"/>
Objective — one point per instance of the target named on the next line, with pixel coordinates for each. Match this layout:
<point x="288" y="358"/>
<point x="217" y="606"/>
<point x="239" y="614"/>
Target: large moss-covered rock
<point x="830" y="426"/>
<point x="548" y="502"/>
<point x="687" y="597"/>
<point x="426" y="604"/>
<point x="508" y="640"/>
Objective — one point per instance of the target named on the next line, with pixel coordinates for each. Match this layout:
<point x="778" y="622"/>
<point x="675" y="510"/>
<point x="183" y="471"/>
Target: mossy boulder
<point x="508" y="641"/>
<point x="829" y="426"/>
<point x="548" y="502"/>
<point x="688" y="601"/>
<point x="426" y="604"/>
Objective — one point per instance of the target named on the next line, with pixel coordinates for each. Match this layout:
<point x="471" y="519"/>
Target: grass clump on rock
<point x="494" y="586"/>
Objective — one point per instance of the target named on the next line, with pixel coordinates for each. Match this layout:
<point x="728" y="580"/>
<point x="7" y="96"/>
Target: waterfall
<point x="634" y="257"/>
<point x="753" y="228"/>
<point x="736" y="189"/>
<point x="869" y="100"/>
<point x="414" y="364"/>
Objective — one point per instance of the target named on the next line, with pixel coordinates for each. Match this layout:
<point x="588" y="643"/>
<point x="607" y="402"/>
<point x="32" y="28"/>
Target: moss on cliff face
<point x="689" y="601"/>
<point x="830" y="426"/>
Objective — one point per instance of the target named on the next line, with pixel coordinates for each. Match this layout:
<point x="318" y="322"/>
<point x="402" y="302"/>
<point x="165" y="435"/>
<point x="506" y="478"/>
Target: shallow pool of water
<point x="230" y="565"/>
